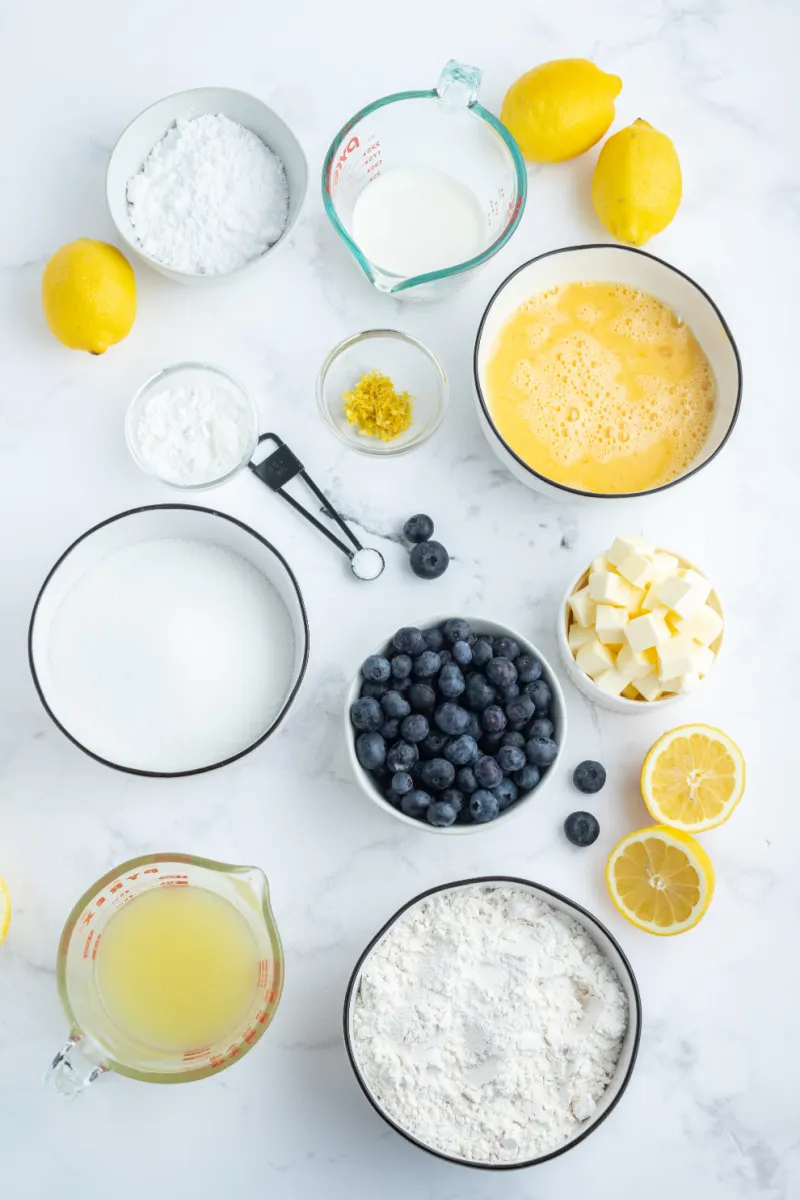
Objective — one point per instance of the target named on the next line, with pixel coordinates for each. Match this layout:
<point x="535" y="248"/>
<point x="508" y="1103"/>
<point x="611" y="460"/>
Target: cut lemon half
<point x="661" y="879"/>
<point x="5" y="911"/>
<point x="693" y="778"/>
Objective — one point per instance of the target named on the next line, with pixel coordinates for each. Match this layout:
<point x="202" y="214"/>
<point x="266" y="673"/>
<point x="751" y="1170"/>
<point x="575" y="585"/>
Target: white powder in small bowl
<point x="192" y="435"/>
<point x="210" y="196"/>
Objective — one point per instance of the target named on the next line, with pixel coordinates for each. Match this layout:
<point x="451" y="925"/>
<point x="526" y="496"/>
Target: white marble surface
<point x="712" y="1109"/>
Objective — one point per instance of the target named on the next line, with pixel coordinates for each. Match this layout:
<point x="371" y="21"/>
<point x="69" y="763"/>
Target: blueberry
<point x="481" y="652"/>
<point x="395" y="706"/>
<point x="402" y="783"/>
<point x="520" y="709"/>
<point x="390" y="730"/>
<point x="462" y="653"/>
<point x="494" y="719"/>
<point x="581" y="828"/>
<point x="506" y="793"/>
<point x="528" y="669"/>
<point x="589" y="776"/>
<point x="456" y="630"/>
<point x="401" y="757"/>
<point x="490" y="743"/>
<point x="501" y="672"/>
<point x="376" y="668"/>
<point x="508" y="693"/>
<point x="466" y="781"/>
<point x="445" y="656"/>
<point x="409" y="640"/>
<point x="474" y="729"/>
<point x="541" y="751"/>
<point x="429" y="560"/>
<point x="441" y="814"/>
<point x="434" y="639"/>
<point x="438" y="774"/>
<point x="418" y="528"/>
<point x="461" y="750"/>
<point x="451" y="681"/>
<point x="506" y="647"/>
<point x="374" y="690"/>
<point x="415" y="803"/>
<point x="400" y="685"/>
<point x="366" y="714"/>
<point x="541" y="696"/>
<point x="426" y="665"/>
<point x="540" y="727"/>
<point x="453" y="796"/>
<point x="510" y="758"/>
<point x="370" y="750"/>
<point x="478" y="694"/>
<point x="528" y="778"/>
<point x="433" y="745"/>
<point x="487" y="771"/>
<point x="401" y="666"/>
<point x="414" y="728"/>
<point x="483" y="806"/>
<point x="451" y="718"/>
<point x="421" y="697"/>
<point x="514" y="739"/>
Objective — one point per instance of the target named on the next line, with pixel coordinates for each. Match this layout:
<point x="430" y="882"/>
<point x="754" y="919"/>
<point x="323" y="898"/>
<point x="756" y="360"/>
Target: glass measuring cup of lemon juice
<point x="169" y="969"/>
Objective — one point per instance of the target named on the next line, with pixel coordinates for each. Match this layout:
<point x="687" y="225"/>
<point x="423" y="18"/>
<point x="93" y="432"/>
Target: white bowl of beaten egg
<point x="602" y="372"/>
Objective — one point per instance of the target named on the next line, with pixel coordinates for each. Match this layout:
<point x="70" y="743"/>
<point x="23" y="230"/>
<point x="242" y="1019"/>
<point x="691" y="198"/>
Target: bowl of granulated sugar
<point x="206" y="184"/>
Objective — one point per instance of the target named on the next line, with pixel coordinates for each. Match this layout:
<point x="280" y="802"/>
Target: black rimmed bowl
<point x="78" y="713"/>
<point x="637" y="269"/>
<point x="607" y="944"/>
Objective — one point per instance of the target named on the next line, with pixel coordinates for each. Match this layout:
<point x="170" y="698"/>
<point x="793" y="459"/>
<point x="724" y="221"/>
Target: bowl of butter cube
<point x="640" y="626"/>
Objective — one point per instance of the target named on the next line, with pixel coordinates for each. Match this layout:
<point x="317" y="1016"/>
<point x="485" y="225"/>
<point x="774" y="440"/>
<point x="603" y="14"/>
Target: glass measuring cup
<point x="96" y="1044"/>
<point x="444" y="128"/>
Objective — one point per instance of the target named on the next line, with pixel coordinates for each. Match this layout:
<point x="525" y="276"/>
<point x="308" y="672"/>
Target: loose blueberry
<point x="429" y="560"/>
<point x="441" y="814"/>
<point x="451" y="718"/>
<point x="528" y="778"/>
<point x="456" y="630"/>
<point x="582" y="828"/>
<point x="426" y="665"/>
<point x="508" y="693"/>
<point x="481" y="652"/>
<point x="529" y="669"/>
<point x="520" y="709"/>
<point x="541" y="751"/>
<point x="453" y="796"/>
<point x="438" y="774"/>
<point x="514" y="739"/>
<point x="415" y="803"/>
<point x="370" y="750"/>
<point x="390" y="730"/>
<point x="466" y="781"/>
<point x="409" y="640"/>
<point x="589" y="776"/>
<point x="421" y="697"/>
<point x="483" y="806"/>
<point x="402" y="783"/>
<point x="445" y="656"/>
<point x="501" y="672"/>
<point x="506" y="793"/>
<point x="462" y="653"/>
<point x="418" y="528"/>
<point x="494" y="720"/>
<point x="366" y="714"/>
<point x="461" y="750"/>
<point x="401" y="666"/>
<point x="414" y="728"/>
<point x="540" y="727"/>
<point x="506" y="647"/>
<point x="434" y="639"/>
<point x="376" y="668"/>
<point x="474" y="729"/>
<point x="541" y="696"/>
<point x="487" y="771"/>
<point x="395" y="706"/>
<point x="478" y="694"/>
<point x="451" y="681"/>
<point x="510" y="758"/>
<point x="433" y="745"/>
<point x="400" y="685"/>
<point x="402" y="757"/>
<point x="374" y="690"/>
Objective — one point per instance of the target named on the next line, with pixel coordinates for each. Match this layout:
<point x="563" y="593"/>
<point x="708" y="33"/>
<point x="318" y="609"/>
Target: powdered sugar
<point x="488" y="1024"/>
<point x="193" y="435"/>
<point x="209" y="197"/>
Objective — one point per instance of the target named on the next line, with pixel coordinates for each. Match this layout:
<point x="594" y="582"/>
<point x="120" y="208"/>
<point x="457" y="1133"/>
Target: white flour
<point x="169" y="655"/>
<point x="193" y="435"/>
<point x="488" y="1024"/>
<point x="209" y="197"/>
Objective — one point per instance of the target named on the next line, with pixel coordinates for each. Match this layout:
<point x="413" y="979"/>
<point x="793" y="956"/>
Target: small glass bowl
<point x="412" y="368"/>
<point x="190" y="374"/>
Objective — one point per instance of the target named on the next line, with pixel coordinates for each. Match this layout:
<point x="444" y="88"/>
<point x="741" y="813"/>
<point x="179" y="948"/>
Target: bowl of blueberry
<point x="454" y="724"/>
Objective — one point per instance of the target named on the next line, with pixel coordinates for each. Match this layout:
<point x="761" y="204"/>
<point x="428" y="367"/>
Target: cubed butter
<point x="634" y="663"/>
<point x="579" y="635"/>
<point x="636" y="569"/>
<point x="625" y="545"/>
<point x="703" y="659"/>
<point x="594" y="658"/>
<point x="662" y="566"/>
<point x="678" y="656"/>
<point x="648" y="630"/>
<point x="637" y="596"/>
<point x="583" y="607"/>
<point x="612" y="682"/>
<point x="649" y="601"/>
<point x="610" y="623"/>
<point x="649" y="687"/>
<point x="600" y="563"/>
<point x="605" y="587"/>
<point x="705" y="626"/>
<point x="684" y="596"/>
<point x="682" y="683"/>
<point x="630" y="692"/>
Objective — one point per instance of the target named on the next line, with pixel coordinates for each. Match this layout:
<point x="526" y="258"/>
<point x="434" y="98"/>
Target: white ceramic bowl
<point x="586" y="685"/>
<point x="609" y="946"/>
<point x="558" y="715"/>
<point x="616" y="264"/>
<point x="136" y="142"/>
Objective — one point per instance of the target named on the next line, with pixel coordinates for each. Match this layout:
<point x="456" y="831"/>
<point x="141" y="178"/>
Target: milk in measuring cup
<point x="413" y="220"/>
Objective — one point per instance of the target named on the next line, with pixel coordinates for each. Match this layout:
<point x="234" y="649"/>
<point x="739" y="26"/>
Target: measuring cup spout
<point x="76" y="1066"/>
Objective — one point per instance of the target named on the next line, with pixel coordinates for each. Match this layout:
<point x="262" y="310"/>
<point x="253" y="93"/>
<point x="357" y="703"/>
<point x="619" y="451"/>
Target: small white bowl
<point x="558" y="715"/>
<point x="136" y="142"/>
<point x="583" y="682"/>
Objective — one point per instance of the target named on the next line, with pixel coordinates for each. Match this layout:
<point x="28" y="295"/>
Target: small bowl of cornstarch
<point x="206" y="184"/>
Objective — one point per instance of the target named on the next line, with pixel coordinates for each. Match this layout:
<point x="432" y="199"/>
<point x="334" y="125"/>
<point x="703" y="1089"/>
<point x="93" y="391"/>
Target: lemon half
<point x="693" y="778"/>
<point x="660" y="879"/>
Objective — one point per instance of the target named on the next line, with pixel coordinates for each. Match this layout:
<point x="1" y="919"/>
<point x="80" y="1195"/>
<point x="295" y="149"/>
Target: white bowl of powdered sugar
<point x="206" y="184"/>
<point x="493" y="1022"/>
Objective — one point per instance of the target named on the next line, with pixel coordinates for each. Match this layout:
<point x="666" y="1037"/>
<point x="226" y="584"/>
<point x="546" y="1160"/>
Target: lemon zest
<point x="376" y="408"/>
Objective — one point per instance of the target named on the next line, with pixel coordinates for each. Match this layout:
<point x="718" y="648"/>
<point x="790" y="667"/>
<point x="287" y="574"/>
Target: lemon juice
<point x="177" y="968"/>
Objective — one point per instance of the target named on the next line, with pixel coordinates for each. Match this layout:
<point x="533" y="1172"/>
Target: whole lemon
<point x="636" y="188"/>
<point x="560" y="109"/>
<point x="89" y="295"/>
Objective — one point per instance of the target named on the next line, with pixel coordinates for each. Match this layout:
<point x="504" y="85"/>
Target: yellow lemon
<point x="89" y="295"/>
<point x="560" y="109"/>
<point x="693" y="778"/>
<point x="636" y="188"/>
<point x="5" y="911"/>
<point x="661" y="879"/>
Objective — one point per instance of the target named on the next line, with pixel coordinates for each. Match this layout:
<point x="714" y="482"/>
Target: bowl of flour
<point x="493" y="1022"/>
<point x="169" y="640"/>
<point x="206" y="184"/>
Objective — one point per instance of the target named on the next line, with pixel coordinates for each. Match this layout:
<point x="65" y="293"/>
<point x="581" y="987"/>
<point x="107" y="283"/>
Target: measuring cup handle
<point x="73" y="1069"/>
